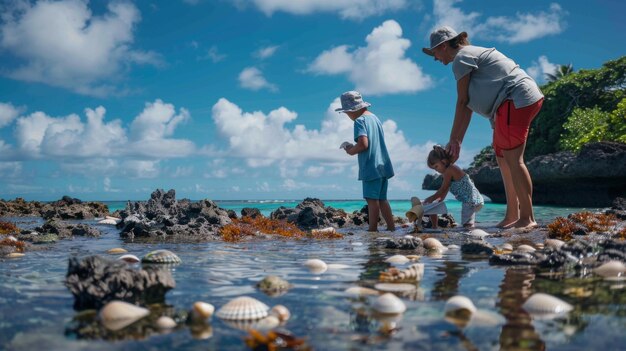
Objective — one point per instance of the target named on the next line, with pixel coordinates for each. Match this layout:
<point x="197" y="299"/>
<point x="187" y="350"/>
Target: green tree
<point x="601" y="88"/>
<point x="561" y="71"/>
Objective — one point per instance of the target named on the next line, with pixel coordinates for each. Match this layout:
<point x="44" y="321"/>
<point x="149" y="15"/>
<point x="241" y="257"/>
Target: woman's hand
<point x="454" y="149"/>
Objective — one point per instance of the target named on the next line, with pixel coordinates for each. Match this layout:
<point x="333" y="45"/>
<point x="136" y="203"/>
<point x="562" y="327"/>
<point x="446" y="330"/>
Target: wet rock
<point x="250" y="212"/>
<point x="231" y="214"/>
<point x="95" y="280"/>
<point x="515" y="258"/>
<point x="312" y="214"/>
<point x="53" y="230"/>
<point x="164" y="217"/>
<point x="477" y="247"/>
<point x="413" y="244"/>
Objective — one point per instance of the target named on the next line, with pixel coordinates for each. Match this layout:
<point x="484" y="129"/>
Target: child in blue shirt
<point x="374" y="163"/>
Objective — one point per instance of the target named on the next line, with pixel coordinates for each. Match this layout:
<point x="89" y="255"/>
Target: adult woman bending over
<point x="493" y="86"/>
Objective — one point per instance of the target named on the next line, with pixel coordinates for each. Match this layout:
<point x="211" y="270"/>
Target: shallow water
<point x="36" y="308"/>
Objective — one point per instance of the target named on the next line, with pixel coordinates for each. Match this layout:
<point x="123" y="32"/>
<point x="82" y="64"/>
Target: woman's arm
<point x="440" y="195"/>
<point x="362" y="144"/>
<point x="462" y="117"/>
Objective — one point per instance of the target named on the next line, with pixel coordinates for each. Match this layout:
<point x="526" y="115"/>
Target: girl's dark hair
<point x="460" y="40"/>
<point x="437" y="154"/>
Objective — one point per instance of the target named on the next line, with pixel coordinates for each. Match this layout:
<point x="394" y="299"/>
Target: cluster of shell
<point x="413" y="272"/>
<point x="156" y="256"/>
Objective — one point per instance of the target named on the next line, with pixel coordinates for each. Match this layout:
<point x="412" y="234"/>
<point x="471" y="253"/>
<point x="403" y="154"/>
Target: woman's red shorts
<point x="512" y="125"/>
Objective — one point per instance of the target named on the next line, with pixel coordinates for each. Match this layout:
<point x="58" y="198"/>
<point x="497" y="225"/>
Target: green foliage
<point x="617" y="123"/>
<point x="560" y="72"/>
<point x="485" y="156"/>
<point x="601" y="88"/>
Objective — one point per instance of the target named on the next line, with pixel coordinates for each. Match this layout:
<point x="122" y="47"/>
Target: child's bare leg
<point x="434" y="221"/>
<point x="373" y="210"/>
<point x="523" y="186"/>
<point x="512" y="205"/>
<point x="385" y="209"/>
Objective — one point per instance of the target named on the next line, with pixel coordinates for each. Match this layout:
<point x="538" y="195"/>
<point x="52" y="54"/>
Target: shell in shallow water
<point x="389" y="304"/>
<point x="116" y="315"/>
<point x="281" y="312"/>
<point x="316" y="266"/>
<point x="129" y="258"/>
<point x="395" y="287"/>
<point x="360" y="291"/>
<point x="243" y="308"/>
<point x="201" y="311"/>
<point x="611" y="269"/>
<point x="412" y="272"/>
<point x="116" y="250"/>
<point x="554" y="243"/>
<point x="161" y="256"/>
<point x="525" y="248"/>
<point x="433" y="244"/>
<point x="397" y="259"/>
<point x="108" y="222"/>
<point x="458" y="302"/>
<point x="546" y="306"/>
<point x="165" y="322"/>
<point x="478" y="233"/>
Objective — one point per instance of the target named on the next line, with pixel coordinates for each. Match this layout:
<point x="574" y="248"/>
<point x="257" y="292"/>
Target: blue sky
<point x="234" y="99"/>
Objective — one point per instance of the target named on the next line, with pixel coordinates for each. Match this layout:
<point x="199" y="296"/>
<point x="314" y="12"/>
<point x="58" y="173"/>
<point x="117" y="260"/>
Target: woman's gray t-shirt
<point x="495" y="78"/>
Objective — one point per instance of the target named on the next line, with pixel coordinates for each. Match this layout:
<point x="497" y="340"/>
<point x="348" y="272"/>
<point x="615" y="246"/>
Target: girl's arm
<point x="362" y="144"/>
<point x="462" y="117"/>
<point x="440" y="195"/>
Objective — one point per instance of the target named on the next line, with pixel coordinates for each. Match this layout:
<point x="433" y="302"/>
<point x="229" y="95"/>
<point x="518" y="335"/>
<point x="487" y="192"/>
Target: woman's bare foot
<point x="507" y="223"/>
<point x="525" y="223"/>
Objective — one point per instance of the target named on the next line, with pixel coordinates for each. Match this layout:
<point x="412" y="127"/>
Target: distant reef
<point x="593" y="177"/>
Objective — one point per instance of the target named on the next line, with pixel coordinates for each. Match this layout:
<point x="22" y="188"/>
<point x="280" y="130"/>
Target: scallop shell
<point x="165" y="322"/>
<point x="116" y="315"/>
<point x="611" y="269"/>
<point x="432" y="244"/>
<point x="281" y="312"/>
<point x="316" y="266"/>
<point x="243" y="308"/>
<point x="161" y="256"/>
<point x="413" y="272"/>
<point x="525" y="248"/>
<point x="361" y="291"/>
<point x="395" y="287"/>
<point x="116" y="250"/>
<point x="554" y="243"/>
<point x="129" y="258"/>
<point x="201" y="311"/>
<point x="478" y="233"/>
<point x="397" y="259"/>
<point x="459" y="302"/>
<point x="389" y="304"/>
<point x="544" y="305"/>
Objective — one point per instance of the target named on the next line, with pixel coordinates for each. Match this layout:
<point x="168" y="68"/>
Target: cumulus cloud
<point x="68" y="138"/>
<point x="350" y="9"/>
<point x="70" y="47"/>
<point x="266" y="52"/>
<point x="522" y="27"/>
<point x="266" y="139"/>
<point x="8" y="113"/>
<point x="252" y="78"/>
<point x="212" y="54"/>
<point x="540" y="68"/>
<point x="378" y="68"/>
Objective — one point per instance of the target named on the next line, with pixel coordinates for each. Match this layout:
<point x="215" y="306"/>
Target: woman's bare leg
<point x="512" y="204"/>
<point x="523" y="186"/>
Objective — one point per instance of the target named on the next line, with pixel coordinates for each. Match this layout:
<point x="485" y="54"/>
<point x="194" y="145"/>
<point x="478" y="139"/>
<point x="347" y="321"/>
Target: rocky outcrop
<point x="94" y="281"/>
<point x="311" y="213"/>
<point x="164" y="217"/>
<point x="594" y="177"/>
<point x="66" y="208"/>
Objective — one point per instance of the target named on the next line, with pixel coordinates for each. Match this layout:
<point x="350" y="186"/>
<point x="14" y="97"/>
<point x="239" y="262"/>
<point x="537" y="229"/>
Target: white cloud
<point x="523" y="27"/>
<point x="70" y="47"/>
<point x="107" y="186"/>
<point x="182" y="172"/>
<point x="540" y="68"/>
<point x="8" y="113"/>
<point x="263" y="187"/>
<point x="10" y="169"/>
<point x="212" y="54"/>
<point x="378" y="68"/>
<point x="351" y="9"/>
<point x="266" y="52"/>
<point x="315" y="171"/>
<point x="252" y="78"/>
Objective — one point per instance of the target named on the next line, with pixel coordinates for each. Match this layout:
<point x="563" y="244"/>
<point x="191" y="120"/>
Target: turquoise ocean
<point x="490" y="215"/>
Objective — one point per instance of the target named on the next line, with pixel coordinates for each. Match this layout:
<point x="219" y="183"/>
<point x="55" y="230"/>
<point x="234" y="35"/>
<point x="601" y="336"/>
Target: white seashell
<point x="117" y="220"/>
<point x="458" y="302"/>
<point x="15" y="255"/>
<point x="116" y="315"/>
<point x="412" y="272"/>
<point x="360" y="291"/>
<point x="165" y="322"/>
<point x="129" y="258"/>
<point x="413" y="257"/>
<point x="397" y="259"/>
<point x="478" y="233"/>
<point x="611" y="269"/>
<point x="116" y="250"/>
<point x="316" y="266"/>
<point x="546" y="306"/>
<point x="201" y="311"/>
<point x="281" y="312"/>
<point x="267" y="323"/>
<point x="432" y="244"/>
<point x="108" y="222"/>
<point x="324" y="231"/>
<point x="453" y="247"/>
<point x="337" y="266"/>
<point x="525" y="248"/>
<point x="243" y="308"/>
<point x="395" y="287"/>
<point x="389" y="304"/>
<point x="554" y="243"/>
<point x="345" y="145"/>
<point x="11" y="237"/>
<point x="506" y="247"/>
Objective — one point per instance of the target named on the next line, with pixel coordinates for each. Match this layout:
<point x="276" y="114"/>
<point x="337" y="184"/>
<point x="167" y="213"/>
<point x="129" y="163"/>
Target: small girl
<point x="459" y="184"/>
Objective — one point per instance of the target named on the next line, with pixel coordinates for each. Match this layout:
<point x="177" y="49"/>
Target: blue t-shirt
<point x="374" y="163"/>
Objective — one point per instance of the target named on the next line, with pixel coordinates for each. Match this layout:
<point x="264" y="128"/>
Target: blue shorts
<point x="375" y="189"/>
